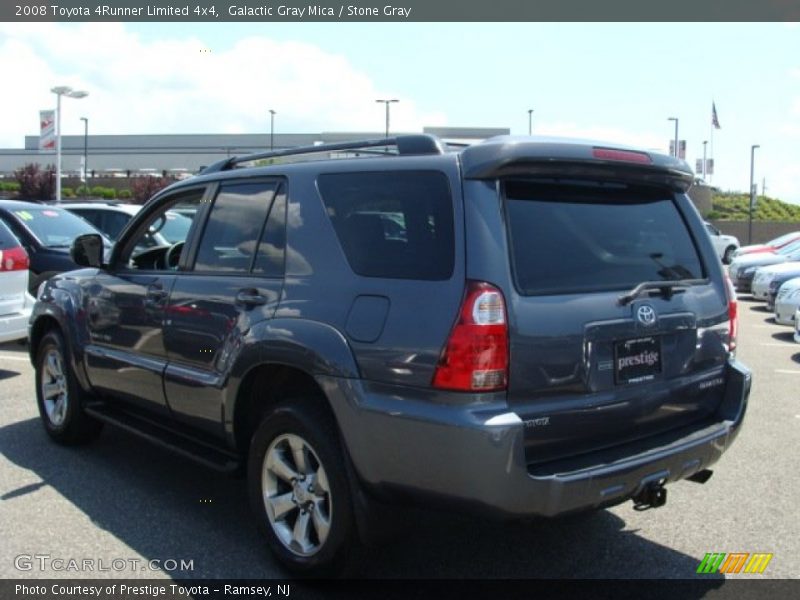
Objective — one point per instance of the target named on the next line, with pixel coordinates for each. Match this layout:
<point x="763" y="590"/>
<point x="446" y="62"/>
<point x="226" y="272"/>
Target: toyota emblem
<point x="646" y="315"/>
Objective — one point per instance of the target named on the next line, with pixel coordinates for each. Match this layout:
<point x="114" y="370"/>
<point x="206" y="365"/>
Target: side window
<point x="393" y="224"/>
<point x="113" y="222"/>
<point x="138" y="251"/>
<point x="270" y="256"/>
<point x="234" y="228"/>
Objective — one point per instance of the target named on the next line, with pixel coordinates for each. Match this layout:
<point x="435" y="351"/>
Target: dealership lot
<point x="121" y="503"/>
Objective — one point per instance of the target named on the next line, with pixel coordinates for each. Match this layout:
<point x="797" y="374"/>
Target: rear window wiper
<point x="666" y="288"/>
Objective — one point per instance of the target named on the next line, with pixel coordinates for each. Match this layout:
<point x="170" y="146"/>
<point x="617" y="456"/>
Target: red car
<point x="770" y="246"/>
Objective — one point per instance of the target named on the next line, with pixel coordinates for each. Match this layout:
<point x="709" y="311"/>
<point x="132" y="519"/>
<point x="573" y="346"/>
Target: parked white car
<point x="787" y="302"/>
<point x="15" y="301"/>
<point x="725" y="245"/>
<point x="764" y="276"/>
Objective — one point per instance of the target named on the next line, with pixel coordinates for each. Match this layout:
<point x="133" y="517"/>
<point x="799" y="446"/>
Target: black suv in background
<point x="526" y="327"/>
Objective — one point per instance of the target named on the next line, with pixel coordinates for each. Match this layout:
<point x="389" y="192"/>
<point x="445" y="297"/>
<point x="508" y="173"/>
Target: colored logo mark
<point x="734" y="562"/>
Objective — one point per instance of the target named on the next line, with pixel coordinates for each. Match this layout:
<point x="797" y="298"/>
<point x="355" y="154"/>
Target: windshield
<point x="789" y="248"/>
<point x="53" y="227"/>
<point x="573" y="238"/>
<point x="176" y="228"/>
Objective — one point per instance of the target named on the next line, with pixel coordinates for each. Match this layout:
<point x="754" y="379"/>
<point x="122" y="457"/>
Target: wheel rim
<point x="296" y="494"/>
<point x="55" y="396"/>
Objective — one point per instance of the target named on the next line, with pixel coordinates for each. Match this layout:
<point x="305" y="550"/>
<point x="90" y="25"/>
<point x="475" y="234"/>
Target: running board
<point x="195" y="450"/>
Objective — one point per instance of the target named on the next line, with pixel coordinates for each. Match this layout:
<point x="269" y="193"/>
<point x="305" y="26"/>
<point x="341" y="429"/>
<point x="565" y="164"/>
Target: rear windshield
<point x="53" y="227"/>
<point x="395" y="224"/>
<point x="7" y="239"/>
<point x="577" y="238"/>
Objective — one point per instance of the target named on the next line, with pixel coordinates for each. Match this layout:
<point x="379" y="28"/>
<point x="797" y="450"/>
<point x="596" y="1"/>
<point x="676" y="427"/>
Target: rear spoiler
<point x="535" y="157"/>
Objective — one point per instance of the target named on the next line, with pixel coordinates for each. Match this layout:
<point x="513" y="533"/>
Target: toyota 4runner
<point x="525" y="326"/>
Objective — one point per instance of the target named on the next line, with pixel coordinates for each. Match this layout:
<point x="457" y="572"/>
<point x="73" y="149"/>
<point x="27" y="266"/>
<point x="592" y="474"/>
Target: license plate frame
<point x="637" y="360"/>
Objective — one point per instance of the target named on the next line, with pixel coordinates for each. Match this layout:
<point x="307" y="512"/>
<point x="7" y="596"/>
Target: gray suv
<point x="523" y="327"/>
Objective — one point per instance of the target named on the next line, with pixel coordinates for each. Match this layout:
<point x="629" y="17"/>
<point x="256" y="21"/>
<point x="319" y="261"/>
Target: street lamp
<point x="272" y="114"/>
<point x="62" y="90"/>
<point x="705" y="143"/>
<point x="85" y="155"/>
<point x="387" y="103"/>
<point x="530" y="121"/>
<point x="675" y="153"/>
<point x="752" y="194"/>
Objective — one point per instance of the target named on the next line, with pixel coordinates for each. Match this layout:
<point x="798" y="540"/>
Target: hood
<point x="755" y="260"/>
<point x="776" y="269"/>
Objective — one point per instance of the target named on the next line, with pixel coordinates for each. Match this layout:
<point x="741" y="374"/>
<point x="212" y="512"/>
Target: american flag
<point x="714" y="119"/>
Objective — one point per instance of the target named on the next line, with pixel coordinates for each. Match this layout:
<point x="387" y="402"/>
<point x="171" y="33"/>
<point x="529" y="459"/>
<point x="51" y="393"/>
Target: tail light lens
<point x="733" y="314"/>
<point x="14" y="259"/>
<point x="475" y="358"/>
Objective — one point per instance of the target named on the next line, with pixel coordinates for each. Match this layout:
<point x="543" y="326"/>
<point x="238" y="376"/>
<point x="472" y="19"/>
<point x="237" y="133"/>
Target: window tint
<point x="396" y="224"/>
<point x="234" y="227"/>
<point x="271" y="249"/>
<point x="113" y="222"/>
<point x="583" y="238"/>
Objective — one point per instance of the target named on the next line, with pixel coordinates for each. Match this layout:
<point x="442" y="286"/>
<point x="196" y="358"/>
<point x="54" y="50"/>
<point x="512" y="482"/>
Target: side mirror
<point x="87" y="250"/>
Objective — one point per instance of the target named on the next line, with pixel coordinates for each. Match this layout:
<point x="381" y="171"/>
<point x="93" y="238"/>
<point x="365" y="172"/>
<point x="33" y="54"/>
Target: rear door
<point x="591" y="368"/>
<point x="231" y="280"/>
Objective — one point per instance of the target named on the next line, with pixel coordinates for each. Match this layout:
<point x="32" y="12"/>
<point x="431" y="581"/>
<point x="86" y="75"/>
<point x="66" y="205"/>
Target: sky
<point x="612" y="82"/>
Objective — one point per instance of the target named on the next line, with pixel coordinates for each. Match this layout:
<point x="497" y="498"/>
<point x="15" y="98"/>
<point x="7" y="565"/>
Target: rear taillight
<point x="475" y="358"/>
<point x="14" y="259"/>
<point x="733" y="314"/>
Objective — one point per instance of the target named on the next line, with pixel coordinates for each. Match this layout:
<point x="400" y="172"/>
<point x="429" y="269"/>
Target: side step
<point x="196" y="450"/>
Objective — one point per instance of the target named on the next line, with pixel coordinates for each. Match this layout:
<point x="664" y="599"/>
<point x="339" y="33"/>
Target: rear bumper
<point x="475" y="454"/>
<point x="15" y="326"/>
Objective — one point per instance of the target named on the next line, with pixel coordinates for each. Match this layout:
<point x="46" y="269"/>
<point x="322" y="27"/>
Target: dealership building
<point x="185" y="154"/>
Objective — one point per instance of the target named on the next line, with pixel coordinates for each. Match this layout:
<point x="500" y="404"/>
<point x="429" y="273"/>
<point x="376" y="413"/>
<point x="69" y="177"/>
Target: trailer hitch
<point x="652" y="495"/>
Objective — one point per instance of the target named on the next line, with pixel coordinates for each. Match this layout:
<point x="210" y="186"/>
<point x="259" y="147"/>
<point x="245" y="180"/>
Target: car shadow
<point x="784" y="336"/>
<point x="162" y="506"/>
<point x="796" y="357"/>
<point x="8" y="374"/>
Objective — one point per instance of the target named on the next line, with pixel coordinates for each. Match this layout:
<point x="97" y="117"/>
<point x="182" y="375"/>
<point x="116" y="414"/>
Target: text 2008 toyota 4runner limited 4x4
<point x="528" y="327"/>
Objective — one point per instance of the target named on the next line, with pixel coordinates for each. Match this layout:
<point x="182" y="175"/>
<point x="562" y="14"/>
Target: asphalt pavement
<point x="121" y="503"/>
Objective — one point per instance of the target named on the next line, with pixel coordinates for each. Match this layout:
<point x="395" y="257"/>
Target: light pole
<point x="387" y="103"/>
<point x="675" y="154"/>
<point x="752" y="195"/>
<point x="705" y="143"/>
<point x="272" y="114"/>
<point x="85" y="156"/>
<point x="62" y="90"/>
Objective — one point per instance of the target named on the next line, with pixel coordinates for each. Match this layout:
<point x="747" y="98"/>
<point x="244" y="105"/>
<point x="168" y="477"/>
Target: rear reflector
<point x="14" y="259"/>
<point x="475" y="358"/>
<point x="733" y="313"/>
<point x="622" y="155"/>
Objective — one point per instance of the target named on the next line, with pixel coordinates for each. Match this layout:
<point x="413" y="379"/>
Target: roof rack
<point x="404" y="144"/>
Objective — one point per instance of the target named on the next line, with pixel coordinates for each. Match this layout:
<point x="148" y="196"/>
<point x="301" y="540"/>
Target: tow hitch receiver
<point x="652" y="495"/>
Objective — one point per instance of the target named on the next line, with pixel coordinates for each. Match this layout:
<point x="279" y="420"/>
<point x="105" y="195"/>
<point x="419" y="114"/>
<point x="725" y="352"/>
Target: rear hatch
<point x="618" y="315"/>
<point x="13" y="273"/>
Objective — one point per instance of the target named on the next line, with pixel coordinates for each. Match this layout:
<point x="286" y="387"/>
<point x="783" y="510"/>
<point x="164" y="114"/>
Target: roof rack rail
<point x="405" y="144"/>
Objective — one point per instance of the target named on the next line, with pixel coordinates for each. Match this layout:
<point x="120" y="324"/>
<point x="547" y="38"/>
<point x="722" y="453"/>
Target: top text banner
<point x="399" y="10"/>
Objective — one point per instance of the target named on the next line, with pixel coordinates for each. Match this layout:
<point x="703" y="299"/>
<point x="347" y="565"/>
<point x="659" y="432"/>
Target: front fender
<point x="61" y="302"/>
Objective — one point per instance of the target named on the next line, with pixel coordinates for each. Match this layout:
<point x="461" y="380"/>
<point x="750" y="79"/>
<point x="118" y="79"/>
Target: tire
<point x="728" y="255"/>
<point x="60" y="397"/>
<point x="310" y="525"/>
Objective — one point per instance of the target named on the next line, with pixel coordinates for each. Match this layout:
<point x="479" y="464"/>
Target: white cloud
<point x="180" y="86"/>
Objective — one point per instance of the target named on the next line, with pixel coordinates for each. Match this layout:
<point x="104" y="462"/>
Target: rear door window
<point x="395" y="224"/>
<point x="579" y="238"/>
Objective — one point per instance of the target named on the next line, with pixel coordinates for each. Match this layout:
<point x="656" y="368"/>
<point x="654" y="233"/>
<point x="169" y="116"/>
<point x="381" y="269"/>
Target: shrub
<point x="9" y="186"/>
<point x="36" y="183"/>
<point x="125" y="195"/>
<point x="67" y="192"/>
<point x="98" y="191"/>
<point x="144" y="188"/>
<point x="109" y="193"/>
<point x="83" y="191"/>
